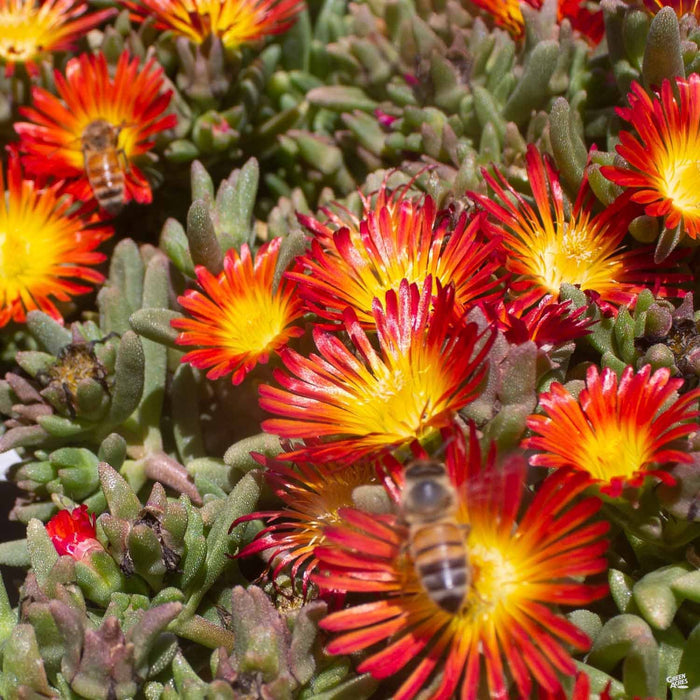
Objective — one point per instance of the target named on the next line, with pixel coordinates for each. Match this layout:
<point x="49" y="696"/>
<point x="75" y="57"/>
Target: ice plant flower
<point x="522" y="569"/>
<point x="680" y="7"/>
<point x="234" y="22"/>
<point x="368" y="401"/>
<point x="132" y="103"/>
<point x="237" y="320"/>
<point x="663" y="156"/>
<point x="73" y="532"/>
<point x="545" y="249"/>
<point x="585" y="16"/>
<point x="30" y="28"/>
<point x="548" y="325"/>
<point x="506" y="13"/>
<point x="408" y="240"/>
<point x="312" y="497"/>
<point x="47" y="253"/>
<point x="396" y="202"/>
<point x="615" y="432"/>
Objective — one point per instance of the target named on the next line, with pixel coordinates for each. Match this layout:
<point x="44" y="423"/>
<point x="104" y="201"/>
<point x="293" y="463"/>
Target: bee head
<point x="428" y="492"/>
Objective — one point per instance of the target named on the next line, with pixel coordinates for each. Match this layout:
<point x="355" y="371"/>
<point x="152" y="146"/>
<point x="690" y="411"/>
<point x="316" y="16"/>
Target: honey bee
<point x="436" y="540"/>
<point x="104" y="162"/>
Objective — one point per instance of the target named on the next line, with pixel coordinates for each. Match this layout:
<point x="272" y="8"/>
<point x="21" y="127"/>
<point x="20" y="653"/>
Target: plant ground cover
<point x="350" y="349"/>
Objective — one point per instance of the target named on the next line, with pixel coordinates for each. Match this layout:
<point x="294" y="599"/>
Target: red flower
<point x="312" y="497"/>
<point x="48" y="252"/>
<point x="548" y="325"/>
<point x="73" y="532"/>
<point x="521" y="570"/>
<point x="238" y="320"/>
<point x="585" y="16"/>
<point x="234" y="22"/>
<point x="31" y="28"/>
<point x="545" y="248"/>
<point x="367" y="401"/>
<point x="127" y="110"/>
<point x="615" y="432"/>
<point x="397" y="239"/>
<point x="663" y="156"/>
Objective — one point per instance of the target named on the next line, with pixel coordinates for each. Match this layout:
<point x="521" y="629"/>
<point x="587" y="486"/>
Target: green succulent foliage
<point x="410" y="86"/>
<point x="117" y="621"/>
<point x="654" y="333"/>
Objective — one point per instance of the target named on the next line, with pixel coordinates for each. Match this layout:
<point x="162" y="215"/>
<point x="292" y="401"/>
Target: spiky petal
<point x="47" y="252"/>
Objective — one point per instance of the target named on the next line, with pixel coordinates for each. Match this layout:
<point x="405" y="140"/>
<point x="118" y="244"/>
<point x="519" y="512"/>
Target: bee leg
<point x="127" y="165"/>
<point x="68" y="394"/>
<point x="99" y="341"/>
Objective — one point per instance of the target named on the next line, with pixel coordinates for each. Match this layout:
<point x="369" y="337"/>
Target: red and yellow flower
<point x="585" y="16"/>
<point x="522" y="570"/>
<point x="133" y="103"/>
<point x="238" y="319"/>
<point x="615" y="432"/>
<point x="234" y="22"/>
<point x="402" y="239"/>
<point x="312" y="497"/>
<point x="30" y="28"/>
<point x="548" y="325"/>
<point x="370" y="401"/>
<point x="663" y="156"/>
<point x="73" y="532"/>
<point x="47" y="253"/>
<point x="680" y="7"/>
<point x="506" y="13"/>
<point x="545" y="248"/>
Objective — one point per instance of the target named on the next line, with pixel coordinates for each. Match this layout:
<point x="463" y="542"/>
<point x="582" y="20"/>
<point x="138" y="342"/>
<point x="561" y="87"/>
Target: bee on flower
<point x="92" y="134"/>
<point x="480" y="590"/>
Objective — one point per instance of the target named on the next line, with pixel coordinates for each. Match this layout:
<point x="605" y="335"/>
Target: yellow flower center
<point x="399" y="402"/>
<point x="570" y="256"/>
<point x="23" y="32"/>
<point x="253" y="323"/>
<point x="494" y="578"/>
<point x="681" y="183"/>
<point x="28" y="251"/>
<point x="616" y="450"/>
